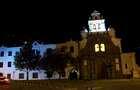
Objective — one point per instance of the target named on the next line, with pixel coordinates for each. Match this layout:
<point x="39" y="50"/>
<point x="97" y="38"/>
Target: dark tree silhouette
<point x="27" y="59"/>
<point x="46" y="62"/>
<point x="54" y="60"/>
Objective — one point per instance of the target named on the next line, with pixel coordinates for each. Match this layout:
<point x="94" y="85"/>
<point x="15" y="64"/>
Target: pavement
<point x="5" y="87"/>
<point x="119" y="84"/>
<point x="122" y="84"/>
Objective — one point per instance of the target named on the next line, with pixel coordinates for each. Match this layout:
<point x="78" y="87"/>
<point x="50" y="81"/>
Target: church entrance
<point x="73" y="75"/>
<point x="100" y="70"/>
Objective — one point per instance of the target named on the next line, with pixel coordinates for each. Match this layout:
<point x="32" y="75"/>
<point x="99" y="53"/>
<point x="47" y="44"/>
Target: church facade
<point x="99" y="55"/>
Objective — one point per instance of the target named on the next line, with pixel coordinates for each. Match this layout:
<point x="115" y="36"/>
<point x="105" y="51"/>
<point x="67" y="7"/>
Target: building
<point x="7" y="61"/>
<point x="128" y="64"/>
<point x="8" y="69"/>
<point x="99" y="55"/>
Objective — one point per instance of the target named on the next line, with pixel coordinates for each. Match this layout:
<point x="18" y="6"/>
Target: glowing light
<point x="97" y="25"/>
<point x="117" y="67"/>
<point x="96" y="47"/>
<point x="102" y="47"/>
<point x="85" y="63"/>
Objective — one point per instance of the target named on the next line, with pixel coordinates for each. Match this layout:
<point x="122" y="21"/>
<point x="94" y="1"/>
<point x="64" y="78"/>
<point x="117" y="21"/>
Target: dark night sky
<point x="60" y="22"/>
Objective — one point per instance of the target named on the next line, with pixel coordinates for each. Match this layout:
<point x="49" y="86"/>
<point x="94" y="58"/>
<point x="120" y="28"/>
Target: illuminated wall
<point x="7" y="59"/>
<point x="128" y="62"/>
<point x="69" y="45"/>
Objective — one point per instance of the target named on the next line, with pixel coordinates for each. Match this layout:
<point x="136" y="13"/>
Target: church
<point x="99" y="55"/>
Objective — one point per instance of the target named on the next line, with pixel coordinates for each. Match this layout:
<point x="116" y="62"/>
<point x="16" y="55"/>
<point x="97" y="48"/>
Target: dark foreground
<point x="75" y="85"/>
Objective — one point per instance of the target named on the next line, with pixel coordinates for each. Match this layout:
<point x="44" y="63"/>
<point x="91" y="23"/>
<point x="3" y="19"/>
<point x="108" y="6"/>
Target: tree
<point x="54" y="60"/>
<point x="27" y="59"/>
<point x="46" y="63"/>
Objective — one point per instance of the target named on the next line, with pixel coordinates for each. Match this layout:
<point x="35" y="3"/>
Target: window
<point x="21" y="75"/>
<point x="2" y="54"/>
<point x="117" y="64"/>
<point x="117" y="67"/>
<point x="10" y="53"/>
<point x="17" y="53"/>
<point x="96" y="47"/>
<point x="9" y="76"/>
<point x="85" y="62"/>
<point x="49" y="51"/>
<point x="38" y="52"/>
<point x="9" y="64"/>
<point x="71" y="49"/>
<point x="126" y="66"/>
<point x="116" y="60"/>
<point x="33" y="51"/>
<point x="63" y="48"/>
<point x="35" y="75"/>
<point x="102" y="47"/>
<point x="1" y="64"/>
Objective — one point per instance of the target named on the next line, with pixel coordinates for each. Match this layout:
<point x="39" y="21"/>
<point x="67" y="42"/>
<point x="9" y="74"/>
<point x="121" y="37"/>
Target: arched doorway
<point x="73" y="75"/>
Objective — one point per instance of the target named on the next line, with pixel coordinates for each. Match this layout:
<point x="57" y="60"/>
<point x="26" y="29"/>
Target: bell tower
<point x="96" y="23"/>
<point x="98" y="55"/>
<point x="95" y="15"/>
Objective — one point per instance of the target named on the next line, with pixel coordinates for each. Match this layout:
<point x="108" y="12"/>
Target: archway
<point x="73" y="75"/>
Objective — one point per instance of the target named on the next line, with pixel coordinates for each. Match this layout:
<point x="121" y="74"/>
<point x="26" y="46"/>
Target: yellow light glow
<point x="96" y="47"/>
<point x="85" y="63"/>
<point x="117" y="67"/>
<point x="102" y="47"/>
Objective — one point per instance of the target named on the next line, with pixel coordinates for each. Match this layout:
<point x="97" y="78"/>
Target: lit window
<point x="96" y="47"/>
<point x="102" y="47"/>
<point x="117" y="67"/>
<point x="116" y="60"/>
<point x="85" y="62"/>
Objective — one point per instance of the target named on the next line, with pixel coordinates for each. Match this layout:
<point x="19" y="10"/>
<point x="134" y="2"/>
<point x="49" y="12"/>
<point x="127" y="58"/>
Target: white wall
<point x="12" y="70"/>
<point x="5" y="59"/>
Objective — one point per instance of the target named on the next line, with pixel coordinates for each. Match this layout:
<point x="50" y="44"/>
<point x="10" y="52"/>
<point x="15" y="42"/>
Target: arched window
<point x="96" y="47"/>
<point x="102" y="47"/>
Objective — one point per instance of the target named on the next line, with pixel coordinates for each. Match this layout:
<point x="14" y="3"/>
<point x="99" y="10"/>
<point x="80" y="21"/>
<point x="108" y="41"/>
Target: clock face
<point x="97" y="25"/>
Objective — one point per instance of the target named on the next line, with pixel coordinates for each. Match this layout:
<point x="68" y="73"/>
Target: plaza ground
<point x="119" y="84"/>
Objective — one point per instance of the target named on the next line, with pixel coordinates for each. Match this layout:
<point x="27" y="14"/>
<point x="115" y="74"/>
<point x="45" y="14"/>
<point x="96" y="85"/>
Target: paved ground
<point x="82" y="85"/>
<point x="116" y="85"/>
<point x="5" y="87"/>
